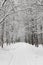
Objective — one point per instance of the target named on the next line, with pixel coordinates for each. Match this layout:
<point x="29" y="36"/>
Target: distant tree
<point x="7" y="37"/>
<point x="32" y="30"/>
<point x="41" y="33"/>
<point x="12" y="39"/>
<point x="34" y="36"/>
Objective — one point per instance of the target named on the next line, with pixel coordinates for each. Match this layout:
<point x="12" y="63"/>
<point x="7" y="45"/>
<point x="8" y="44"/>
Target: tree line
<point x="21" y="23"/>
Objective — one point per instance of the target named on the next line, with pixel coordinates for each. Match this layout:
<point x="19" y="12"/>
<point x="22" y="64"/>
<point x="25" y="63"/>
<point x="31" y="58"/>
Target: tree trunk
<point x="2" y="40"/>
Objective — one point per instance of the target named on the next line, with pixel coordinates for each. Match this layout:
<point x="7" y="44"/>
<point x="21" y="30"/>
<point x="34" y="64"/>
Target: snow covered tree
<point x="19" y="21"/>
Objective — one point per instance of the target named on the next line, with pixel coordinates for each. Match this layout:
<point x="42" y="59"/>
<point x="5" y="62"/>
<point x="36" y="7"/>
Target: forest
<point x="21" y="21"/>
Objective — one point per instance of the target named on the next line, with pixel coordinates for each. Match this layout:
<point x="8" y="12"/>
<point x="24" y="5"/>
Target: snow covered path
<point x="21" y="54"/>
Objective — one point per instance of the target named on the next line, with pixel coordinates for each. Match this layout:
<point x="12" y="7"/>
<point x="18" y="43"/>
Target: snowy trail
<point x="22" y="58"/>
<point x="21" y="54"/>
<point x="27" y="55"/>
<point x="19" y="57"/>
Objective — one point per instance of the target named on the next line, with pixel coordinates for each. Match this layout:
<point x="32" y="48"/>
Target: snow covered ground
<point x="21" y="54"/>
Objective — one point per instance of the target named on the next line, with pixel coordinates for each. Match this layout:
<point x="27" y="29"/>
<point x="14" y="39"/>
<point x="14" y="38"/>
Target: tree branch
<point x="4" y="2"/>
